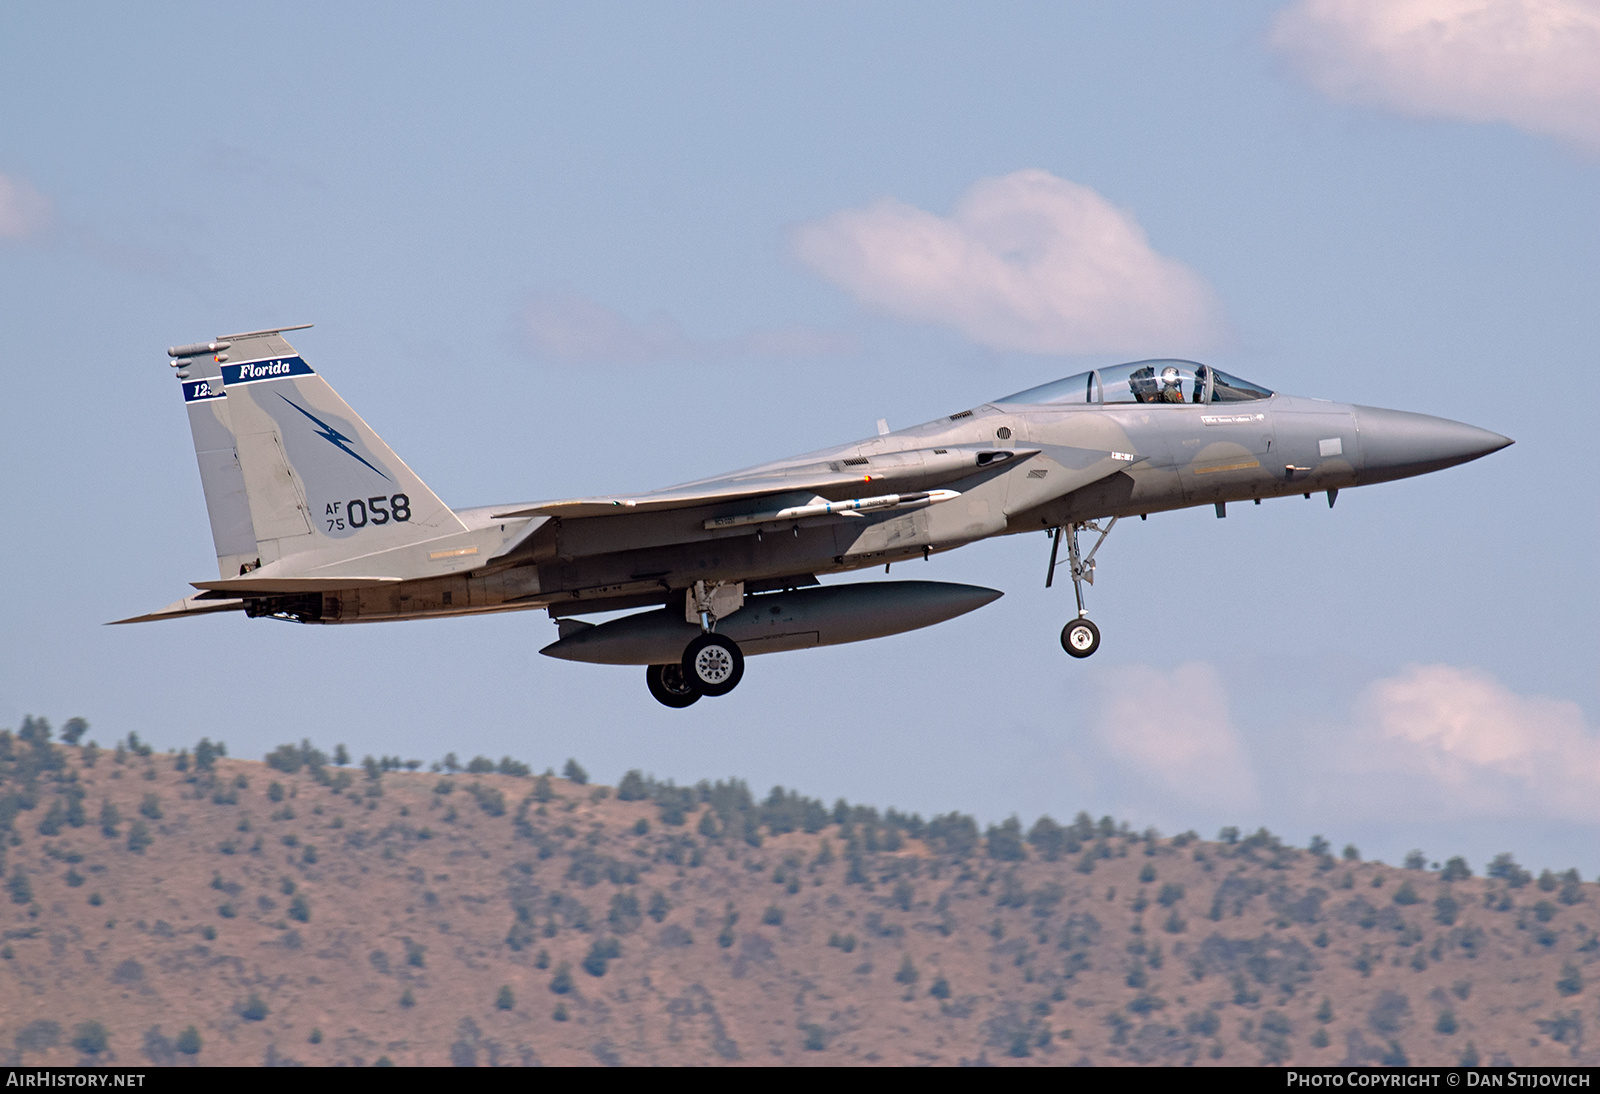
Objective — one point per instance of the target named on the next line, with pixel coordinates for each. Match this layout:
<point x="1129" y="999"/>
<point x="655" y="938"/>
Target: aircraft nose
<point x="1397" y="443"/>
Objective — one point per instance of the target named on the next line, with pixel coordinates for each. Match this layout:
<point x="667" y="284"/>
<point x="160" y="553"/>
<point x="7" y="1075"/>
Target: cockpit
<point x="1161" y="382"/>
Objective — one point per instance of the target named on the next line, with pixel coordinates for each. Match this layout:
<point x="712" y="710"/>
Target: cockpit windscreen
<point x="1166" y="382"/>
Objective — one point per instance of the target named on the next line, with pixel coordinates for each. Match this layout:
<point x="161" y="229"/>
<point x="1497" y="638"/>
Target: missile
<point x="821" y="508"/>
<point x="772" y="622"/>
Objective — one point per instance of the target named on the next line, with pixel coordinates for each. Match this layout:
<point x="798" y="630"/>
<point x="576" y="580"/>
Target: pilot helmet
<point x="1170" y="376"/>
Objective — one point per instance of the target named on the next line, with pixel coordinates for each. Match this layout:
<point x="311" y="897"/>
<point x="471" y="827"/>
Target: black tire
<point x="1080" y="638"/>
<point x="670" y="688"/>
<point x="713" y="665"/>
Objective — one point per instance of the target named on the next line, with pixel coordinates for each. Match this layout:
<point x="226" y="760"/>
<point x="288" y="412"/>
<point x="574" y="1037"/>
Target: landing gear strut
<point x="1080" y="637"/>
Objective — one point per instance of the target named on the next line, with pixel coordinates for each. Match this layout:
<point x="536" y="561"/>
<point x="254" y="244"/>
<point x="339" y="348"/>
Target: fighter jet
<point x="316" y="520"/>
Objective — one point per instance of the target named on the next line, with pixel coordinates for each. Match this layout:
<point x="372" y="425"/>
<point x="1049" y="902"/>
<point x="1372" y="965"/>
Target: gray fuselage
<point x="1057" y="460"/>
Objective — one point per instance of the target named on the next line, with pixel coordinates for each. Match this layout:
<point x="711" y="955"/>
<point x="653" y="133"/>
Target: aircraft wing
<point x="835" y="479"/>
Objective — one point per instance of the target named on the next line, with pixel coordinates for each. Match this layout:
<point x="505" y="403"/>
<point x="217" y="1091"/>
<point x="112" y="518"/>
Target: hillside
<point x="327" y="915"/>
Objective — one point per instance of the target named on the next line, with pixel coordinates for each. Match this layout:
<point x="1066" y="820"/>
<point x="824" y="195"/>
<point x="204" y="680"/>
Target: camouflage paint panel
<point x="1227" y="448"/>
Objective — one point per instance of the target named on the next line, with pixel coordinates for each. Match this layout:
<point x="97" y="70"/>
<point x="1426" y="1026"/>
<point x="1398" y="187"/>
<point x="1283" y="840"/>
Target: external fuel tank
<point x="772" y="622"/>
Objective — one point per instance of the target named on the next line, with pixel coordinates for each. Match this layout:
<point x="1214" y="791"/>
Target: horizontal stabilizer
<point x="273" y="586"/>
<point x="180" y="609"/>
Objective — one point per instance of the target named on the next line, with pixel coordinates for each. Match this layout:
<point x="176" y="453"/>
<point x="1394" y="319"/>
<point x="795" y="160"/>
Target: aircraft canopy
<point x="1158" y="381"/>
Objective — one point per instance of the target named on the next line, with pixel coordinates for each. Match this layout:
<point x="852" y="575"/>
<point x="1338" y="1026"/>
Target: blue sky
<point x="553" y="250"/>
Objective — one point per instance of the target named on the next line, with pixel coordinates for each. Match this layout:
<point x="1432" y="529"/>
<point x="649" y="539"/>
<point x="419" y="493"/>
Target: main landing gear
<point x="712" y="664"/>
<point x="1080" y="638"/>
<point x="670" y="686"/>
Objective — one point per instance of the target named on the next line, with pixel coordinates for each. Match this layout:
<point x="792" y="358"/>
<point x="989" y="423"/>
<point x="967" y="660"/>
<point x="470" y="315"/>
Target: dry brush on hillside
<point x="192" y="908"/>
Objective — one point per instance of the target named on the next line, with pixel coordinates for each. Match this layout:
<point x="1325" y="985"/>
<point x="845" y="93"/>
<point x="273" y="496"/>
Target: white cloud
<point x="1173" y="726"/>
<point x="1532" y="63"/>
<point x="1478" y="749"/>
<point x="1432" y="743"/>
<point x="1027" y="261"/>
<point x="571" y="328"/>
<point x="23" y="210"/>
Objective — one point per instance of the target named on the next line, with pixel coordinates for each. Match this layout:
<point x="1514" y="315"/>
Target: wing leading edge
<point x="834" y="480"/>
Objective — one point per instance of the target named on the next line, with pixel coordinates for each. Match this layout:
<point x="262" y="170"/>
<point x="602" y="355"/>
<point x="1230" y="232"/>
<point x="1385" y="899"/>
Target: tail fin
<point x="220" y="476"/>
<point x="316" y="478"/>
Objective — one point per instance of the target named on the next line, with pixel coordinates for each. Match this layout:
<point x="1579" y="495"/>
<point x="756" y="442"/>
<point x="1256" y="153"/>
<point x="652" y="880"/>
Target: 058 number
<point x="378" y="510"/>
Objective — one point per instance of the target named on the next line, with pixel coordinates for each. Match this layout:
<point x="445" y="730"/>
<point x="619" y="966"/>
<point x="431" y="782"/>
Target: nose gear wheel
<point x="1080" y="638"/>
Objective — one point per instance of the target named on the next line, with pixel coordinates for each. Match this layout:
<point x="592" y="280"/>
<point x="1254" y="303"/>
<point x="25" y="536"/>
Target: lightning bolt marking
<point x="332" y="435"/>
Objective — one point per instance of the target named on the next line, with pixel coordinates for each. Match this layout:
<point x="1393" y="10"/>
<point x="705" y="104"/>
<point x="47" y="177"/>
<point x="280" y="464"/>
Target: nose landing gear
<point x="1080" y="638"/>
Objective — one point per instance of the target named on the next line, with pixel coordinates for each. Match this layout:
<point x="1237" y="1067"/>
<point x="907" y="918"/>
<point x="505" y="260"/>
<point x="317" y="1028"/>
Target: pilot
<point x="1171" y="386"/>
<point x="1143" y="384"/>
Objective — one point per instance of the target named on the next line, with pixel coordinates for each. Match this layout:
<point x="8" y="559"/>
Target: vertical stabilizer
<point x="318" y="480"/>
<point x="220" y="476"/>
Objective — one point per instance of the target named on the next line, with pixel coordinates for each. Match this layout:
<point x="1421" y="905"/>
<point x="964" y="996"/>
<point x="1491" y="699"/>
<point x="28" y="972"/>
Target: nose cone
<point x="1396" y="444"/>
